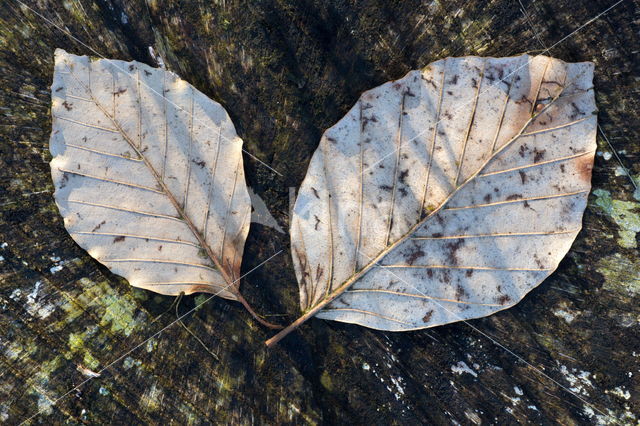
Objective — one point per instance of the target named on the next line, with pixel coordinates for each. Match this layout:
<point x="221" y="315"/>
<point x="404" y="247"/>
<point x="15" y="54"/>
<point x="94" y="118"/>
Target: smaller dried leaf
<point x="148" y="175"/>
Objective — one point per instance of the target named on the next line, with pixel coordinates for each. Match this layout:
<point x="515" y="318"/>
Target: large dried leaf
<point x="447" y="194"/>
<point x="148" y="175"/>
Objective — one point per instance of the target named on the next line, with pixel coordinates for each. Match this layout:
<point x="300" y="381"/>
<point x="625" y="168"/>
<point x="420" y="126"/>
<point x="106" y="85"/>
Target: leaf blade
<point x="122" y="127"/>
<point x="522" y="96"/>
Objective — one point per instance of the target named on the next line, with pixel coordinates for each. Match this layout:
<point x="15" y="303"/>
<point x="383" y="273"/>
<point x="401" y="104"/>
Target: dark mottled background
<point x="285" y="71"/>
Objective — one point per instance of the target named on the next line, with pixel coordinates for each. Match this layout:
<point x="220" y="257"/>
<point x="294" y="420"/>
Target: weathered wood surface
<point x="285" y="71"/>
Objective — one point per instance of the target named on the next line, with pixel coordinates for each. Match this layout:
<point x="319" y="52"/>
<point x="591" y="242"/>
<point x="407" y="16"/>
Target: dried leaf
<point x="148" y="175"/>
<point x="446" y="195"/>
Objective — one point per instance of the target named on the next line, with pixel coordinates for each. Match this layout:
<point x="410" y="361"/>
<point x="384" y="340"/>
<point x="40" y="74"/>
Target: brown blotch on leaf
<point x="119" y="239"/>
<point x="584" y="167"/>
<point x="514" y="197"/>
<point x="67" y="105"/>
<point x="427" y="316"/>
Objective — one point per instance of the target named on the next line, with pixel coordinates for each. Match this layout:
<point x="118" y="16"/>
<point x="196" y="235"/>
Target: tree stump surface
<point x="285" y="71"/>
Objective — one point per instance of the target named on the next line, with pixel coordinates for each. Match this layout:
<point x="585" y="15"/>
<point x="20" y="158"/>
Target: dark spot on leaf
<point x="67" y="105"/>
<point x="454" y="79"/>
<point x="523" y="177"/>
<point x="64" y="180"/>
<point x="524" y="99"/>
<point x="315" y="192"/>
<point x="318" y="221"/>
<point x="403" y="175"/>
<point x="59" y="89"/>
<point x="416" y="253"/>
<point x="98" y="226"/>
<point x="514" y="197"/>
<point x="319" y="272"/>
<point x="503" y="299"/>
<point x="460" y="293"/>
<point x="120" y="91"/>
<point x="576" y="111"/>
<point x="469" y="272"/>
<point x="538" y="155"/>
<point x="119" y="239"/>
<point x="200" y="163"/>
<point x="523" y="149"/>
<point x="453" y="248"/>
<point x="429" y="81"/>
<point x="385" y="187"/>
<point x="147" y="73"/>
<point x="160" y="247"/>
<point x="487" y="198"/>
<point x="427" y="316"/>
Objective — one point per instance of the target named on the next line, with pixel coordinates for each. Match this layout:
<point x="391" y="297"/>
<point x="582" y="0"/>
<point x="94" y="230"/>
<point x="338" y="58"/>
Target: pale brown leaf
<point x="148" y="175"/>
<point x="445" y="195"/>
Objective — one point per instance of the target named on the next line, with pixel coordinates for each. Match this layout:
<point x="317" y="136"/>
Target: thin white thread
<point x="615" y="153"/>
<point x="466" y="104"/>
<point x="110" y="61"/>
<point x="178" y="319"/>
